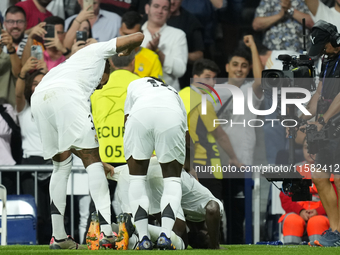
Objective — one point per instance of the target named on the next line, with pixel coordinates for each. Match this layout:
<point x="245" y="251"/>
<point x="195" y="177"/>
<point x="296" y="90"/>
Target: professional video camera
<point x="297" y="72"/>
<point x="316" y="140"/>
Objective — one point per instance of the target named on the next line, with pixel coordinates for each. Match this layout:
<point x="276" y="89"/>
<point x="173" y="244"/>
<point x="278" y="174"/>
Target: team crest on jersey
<point x="141" y="67"/>
<point x="96" y="138"/>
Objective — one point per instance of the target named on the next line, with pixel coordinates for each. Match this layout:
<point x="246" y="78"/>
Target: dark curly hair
<point x="29" y="83"/>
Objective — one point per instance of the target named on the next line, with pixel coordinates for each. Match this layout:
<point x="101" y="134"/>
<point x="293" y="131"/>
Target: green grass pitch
<point x="229" y="250"/>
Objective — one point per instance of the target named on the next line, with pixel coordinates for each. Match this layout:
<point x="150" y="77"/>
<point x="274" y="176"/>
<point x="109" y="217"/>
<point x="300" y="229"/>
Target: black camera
<point x="317" y="140"/>
<point x="297" y="72"/>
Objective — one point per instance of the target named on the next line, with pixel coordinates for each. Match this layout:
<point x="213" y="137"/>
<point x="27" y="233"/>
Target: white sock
<point x="139" y="203"/>
<point x="133" y="241"/>
<point x="58" y="186"/>
<point x="175" y="239"/>
<point x="170" y="203"/>
<point x="99" y="191"/>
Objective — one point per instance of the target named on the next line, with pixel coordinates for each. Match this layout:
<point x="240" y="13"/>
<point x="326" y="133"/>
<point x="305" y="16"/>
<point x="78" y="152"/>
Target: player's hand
<point x="126" y="44"/>
<point x="304" y="215"/>
<point x="108" y="169"/>
<point x="38" y="30"/>
<point x="30" y="64"/>
<point x="249" y="41"/>
<point x="85" y="14"/>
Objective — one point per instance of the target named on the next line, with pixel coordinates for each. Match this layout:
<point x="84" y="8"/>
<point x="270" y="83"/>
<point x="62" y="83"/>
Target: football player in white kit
<point x="155" y="120"/>
<point x="61" y="109"/>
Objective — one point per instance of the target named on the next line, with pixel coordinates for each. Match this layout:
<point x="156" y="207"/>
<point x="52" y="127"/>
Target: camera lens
<point x="273" y="79"/>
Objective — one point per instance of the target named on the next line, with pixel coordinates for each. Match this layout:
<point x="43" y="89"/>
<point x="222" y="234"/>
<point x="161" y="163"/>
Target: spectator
<point x="204" y="10"/>
<point x="146" y="61"/>
<point x="80" y="23"/>
<point x="138" y="6"/>
<point x="184" y="20"/>
<point x="321" y="11"/>
<point x="55" y="52"/>
<point x="15" y="25"/>
<point x="242" y="138"/>
<point x="105" y="25"/>
<point x="10" y="66"/>
<point x="8" y="178"/>
<point x="281" y="21"/>
<point x="31" y="143"/>
<point x="169" y="43"/>
<point x="303" y="216"/>
<point x="35" y="11"/>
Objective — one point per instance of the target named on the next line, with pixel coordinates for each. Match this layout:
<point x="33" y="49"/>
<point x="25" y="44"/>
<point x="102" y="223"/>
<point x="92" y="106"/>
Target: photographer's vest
<point x="206" y="150"/>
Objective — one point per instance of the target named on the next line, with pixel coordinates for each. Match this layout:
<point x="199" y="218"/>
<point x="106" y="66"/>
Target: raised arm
<point x="38" y="30"/>
<point x="71" y="32"/>
<point x="126" y="44"/>
<point x="257" y="65"/>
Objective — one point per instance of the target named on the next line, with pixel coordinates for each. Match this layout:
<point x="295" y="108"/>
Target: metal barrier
<point x="42" y="168"/>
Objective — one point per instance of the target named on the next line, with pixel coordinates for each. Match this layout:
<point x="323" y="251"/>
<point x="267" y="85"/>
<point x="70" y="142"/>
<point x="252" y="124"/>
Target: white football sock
<point x="139" y="203"/>
<point x="170" y="203"/>
<point x="175" y="239"/>
<point x="58" y="186"/>
<point x="99" y="191"/>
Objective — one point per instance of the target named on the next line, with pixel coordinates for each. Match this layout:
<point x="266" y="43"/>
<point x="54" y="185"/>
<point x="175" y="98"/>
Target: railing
<point x="42" y="168"/>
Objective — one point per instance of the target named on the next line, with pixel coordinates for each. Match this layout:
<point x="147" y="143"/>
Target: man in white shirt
<point x="104" y="24"/>
<point x="61" y="109"/>
<point x="242" y="137"/>
<point x="168" y="42"/>
<point x="321" y="11"/>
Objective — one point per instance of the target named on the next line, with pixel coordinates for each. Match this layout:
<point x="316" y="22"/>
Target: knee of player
<point x="212" y="209"/>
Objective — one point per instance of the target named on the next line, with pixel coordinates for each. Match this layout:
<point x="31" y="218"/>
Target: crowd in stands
<point x="180" y="35"/>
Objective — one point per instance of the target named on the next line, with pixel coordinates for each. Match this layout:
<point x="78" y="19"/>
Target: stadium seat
<point x="3" y="229"/>
<point x="21" y="219"/>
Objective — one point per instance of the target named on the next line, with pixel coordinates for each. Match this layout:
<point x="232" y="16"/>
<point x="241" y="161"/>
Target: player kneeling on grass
<point x="201" y="209"/>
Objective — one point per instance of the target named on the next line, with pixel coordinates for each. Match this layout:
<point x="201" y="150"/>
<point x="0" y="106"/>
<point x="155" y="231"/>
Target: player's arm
<point x="126" y="44"/>
<point x="312" y="5"/>
<point x="312" y="105"/>
<point x="213" y="219"/>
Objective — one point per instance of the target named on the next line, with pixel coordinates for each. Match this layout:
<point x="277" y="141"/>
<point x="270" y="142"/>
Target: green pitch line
<point x="230" y="250"/>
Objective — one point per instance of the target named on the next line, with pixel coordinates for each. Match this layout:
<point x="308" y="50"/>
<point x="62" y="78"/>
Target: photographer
<point x="324" y="104"/>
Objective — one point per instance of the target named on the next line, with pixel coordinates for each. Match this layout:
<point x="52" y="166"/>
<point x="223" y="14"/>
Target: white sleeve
<point x="105" y="50"/>
<point x="175" y="63"/>
<point x="321" y="13"/>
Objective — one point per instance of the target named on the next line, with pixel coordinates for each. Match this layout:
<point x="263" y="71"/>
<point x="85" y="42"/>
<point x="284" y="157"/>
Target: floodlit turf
<point x="230" y="250"/>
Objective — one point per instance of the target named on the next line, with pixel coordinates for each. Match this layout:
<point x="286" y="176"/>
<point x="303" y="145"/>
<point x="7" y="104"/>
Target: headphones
<point x="331" y="29"/>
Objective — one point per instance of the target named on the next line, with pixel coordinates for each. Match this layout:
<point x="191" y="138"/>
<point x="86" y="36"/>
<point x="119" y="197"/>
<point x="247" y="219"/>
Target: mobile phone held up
<point x="81" y="36"/>
<point x="37" y="52"/>
<point x="87" y="3"/>
<point x="50" y="31"/>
